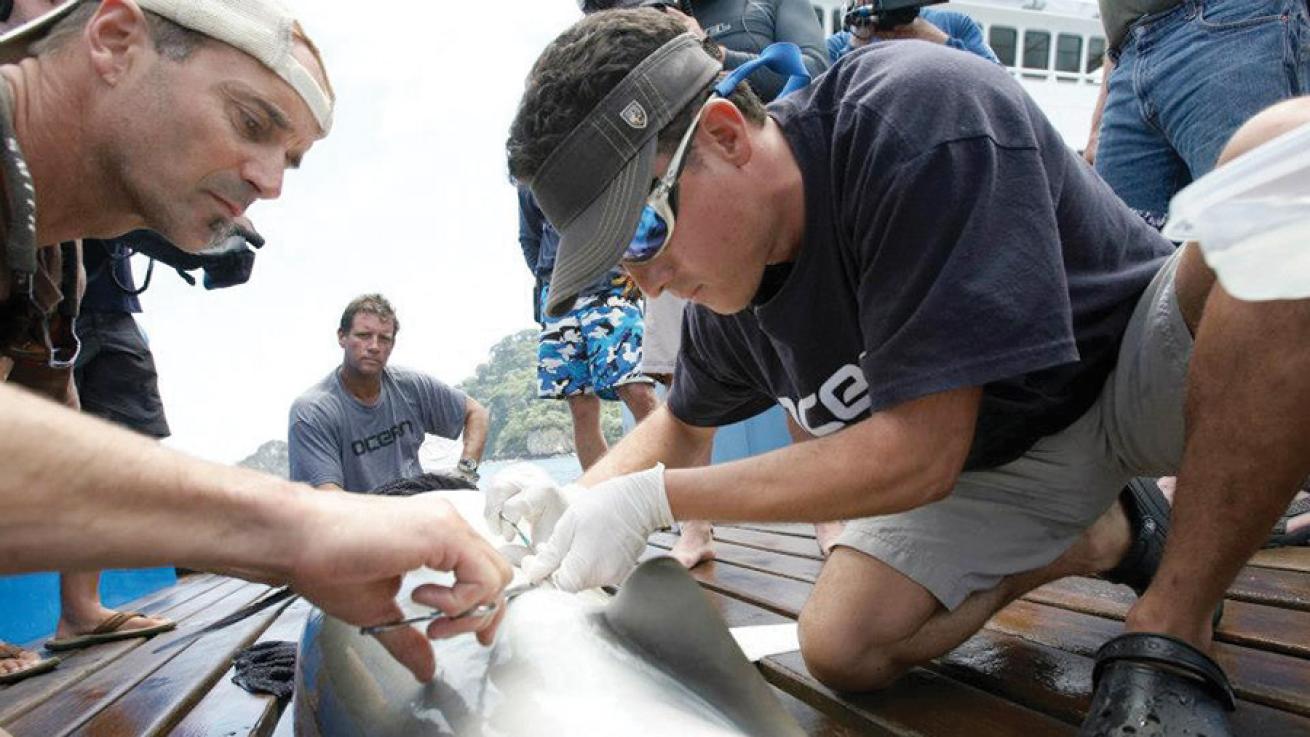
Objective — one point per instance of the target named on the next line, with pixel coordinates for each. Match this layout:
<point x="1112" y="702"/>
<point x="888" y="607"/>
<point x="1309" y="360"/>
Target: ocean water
<point x="564" y="469"/>
<point x="440" y="454"/>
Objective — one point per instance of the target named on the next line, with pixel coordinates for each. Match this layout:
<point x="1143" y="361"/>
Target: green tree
<point x="523" y="426"/>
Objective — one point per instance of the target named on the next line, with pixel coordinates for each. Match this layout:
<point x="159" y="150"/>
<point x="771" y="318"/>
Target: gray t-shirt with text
<point x="336" y="439"/>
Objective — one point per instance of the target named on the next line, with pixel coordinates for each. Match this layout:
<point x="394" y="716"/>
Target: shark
<point x="654" y="659"/>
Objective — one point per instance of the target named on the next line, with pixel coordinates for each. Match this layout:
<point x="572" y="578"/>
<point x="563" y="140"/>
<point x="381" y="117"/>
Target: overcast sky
<point x="408" y="196"/>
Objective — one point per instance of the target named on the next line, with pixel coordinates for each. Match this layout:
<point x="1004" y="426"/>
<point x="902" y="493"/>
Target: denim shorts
<point x="593" y="349"/>
<point x="1186" y="79"/>
<point x="1021" y="516"/>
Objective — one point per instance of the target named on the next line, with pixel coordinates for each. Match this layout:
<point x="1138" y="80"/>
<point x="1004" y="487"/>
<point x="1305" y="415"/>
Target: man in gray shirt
<point x="362" y="425"/>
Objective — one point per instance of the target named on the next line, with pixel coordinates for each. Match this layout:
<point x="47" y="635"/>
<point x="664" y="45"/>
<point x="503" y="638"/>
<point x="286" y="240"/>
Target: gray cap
<point x="593" y="187"/>
<point x="260" y="28"/>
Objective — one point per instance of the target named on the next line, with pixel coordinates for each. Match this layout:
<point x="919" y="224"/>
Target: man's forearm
<point x="477" y="422"/>
<point x="896" y="460"/>
<point x="660" y="438"/>
<point x="1094" y="133"/>
<point x="76" y="492"/>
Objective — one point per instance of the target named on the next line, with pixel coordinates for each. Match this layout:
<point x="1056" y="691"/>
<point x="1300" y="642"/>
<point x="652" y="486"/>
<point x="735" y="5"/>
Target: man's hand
<point x="356" y="549"/>
<point x="1089" y="151"/>
<point x="525" y="493"/>
<point x="602" y="534"/>
<point x="690" y="22"/>
<point x="693" y="26"/>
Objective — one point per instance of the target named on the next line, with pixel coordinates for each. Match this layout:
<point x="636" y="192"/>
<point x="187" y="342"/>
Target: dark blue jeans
<point x="1186" y="79"/>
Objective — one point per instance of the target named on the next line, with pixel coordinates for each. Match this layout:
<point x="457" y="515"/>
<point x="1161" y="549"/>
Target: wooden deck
<point x="1027" y="673"/>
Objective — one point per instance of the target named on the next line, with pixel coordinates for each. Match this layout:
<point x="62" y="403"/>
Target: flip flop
<point x="44" y="665"/>
<point x="108" y="631"/>
<point x="1153" y="685"/>
<point x="1280" y="537"/>
<point x="1148" y="517"/>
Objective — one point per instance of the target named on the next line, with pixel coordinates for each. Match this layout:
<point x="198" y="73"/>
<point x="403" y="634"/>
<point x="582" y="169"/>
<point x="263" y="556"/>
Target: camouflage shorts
<point x="595" y="348"/>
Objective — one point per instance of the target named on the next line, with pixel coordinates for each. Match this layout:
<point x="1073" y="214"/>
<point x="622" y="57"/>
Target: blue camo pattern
<point x="594" y="348"/>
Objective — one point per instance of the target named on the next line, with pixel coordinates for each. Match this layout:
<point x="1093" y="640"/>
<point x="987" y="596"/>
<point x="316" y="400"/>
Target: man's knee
<point x="639" y="396"/>
<point x="584" y="408"/>
<point x="856" y="662"/>
<point x="852" y="637"/>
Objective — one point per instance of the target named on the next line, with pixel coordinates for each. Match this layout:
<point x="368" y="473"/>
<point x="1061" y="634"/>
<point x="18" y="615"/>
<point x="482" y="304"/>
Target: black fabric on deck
<point x="266" y="667"/>
<point x="427" y="482"/>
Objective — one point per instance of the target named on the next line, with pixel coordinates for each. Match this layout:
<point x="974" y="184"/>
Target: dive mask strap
<point x="783" y="57"/>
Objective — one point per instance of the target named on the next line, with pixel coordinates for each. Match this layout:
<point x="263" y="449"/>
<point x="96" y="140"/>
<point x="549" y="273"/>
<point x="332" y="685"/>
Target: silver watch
<point x="468" y="466"/>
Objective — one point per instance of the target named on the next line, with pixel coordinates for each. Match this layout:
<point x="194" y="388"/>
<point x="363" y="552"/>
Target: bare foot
<point x="826" y="534"/>
<point x="71" y="626"/>
<point x="1167" y="484"/>
<point x="1300" y="521"/>
<point x="1102" y="546"/>
<point x="14" y="658"/>
<point x="695" y="544"/>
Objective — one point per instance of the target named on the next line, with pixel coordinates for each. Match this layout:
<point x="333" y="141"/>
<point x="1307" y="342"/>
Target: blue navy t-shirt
<point x="951" y="240"/>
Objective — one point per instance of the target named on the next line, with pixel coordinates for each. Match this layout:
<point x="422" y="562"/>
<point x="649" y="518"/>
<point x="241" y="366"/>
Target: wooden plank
<point x="186" y="587"/>
<point x="1273" y="679"/>
<point x="159" y="702"/>
<point x="176" y="602"/>
<point x="1272" y="586"/>
<point x="801" y="569"/>
<point x="814" y="722"/>
<point x="782" y="596"/>
<point x="1289" y="559"/>
<point x="1259" y="620"/>
<point x="1059" y="683"/>
<point x="922" y="703"/>
<point x="286" y="725"/>
<point x="1277" y="681"/>
<point x="788" y="545"/>
<point x="72" y="706"/>
<point x="795" y="529"/>
<point x="1254" y="625"/>
<point x="229" y="710"/>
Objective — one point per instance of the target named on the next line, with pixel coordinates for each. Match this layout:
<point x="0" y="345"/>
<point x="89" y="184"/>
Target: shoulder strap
<point x="20" y="200"/>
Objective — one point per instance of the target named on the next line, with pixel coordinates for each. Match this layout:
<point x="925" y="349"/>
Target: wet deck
<point x="1027" y="673"/>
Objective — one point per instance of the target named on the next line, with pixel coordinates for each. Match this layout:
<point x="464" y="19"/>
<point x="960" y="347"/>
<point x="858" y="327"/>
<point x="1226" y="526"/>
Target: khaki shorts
<point x="1023" y="515"/>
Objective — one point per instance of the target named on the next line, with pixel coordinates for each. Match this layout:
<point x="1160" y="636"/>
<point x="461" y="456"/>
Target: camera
<point x="882" y="15"/>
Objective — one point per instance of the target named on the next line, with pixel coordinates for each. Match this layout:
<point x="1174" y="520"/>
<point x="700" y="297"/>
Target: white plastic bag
<point x="1252" y="219"/>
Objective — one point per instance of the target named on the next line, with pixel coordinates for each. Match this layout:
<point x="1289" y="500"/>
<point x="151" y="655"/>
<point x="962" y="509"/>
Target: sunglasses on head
<point x="655" y="227"/>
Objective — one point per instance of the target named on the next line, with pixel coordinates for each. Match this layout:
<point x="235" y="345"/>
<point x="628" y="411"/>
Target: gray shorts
<point x="1023" y="515"/>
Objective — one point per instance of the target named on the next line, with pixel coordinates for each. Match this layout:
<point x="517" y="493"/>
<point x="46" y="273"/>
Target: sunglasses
<point x="655" y="227"/>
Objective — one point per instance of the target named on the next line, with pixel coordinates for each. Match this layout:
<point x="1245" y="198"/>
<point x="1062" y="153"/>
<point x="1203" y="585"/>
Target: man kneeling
<point x="986" y="341"/>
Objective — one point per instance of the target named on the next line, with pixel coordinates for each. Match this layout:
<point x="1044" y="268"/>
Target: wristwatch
<point x="467" y="466"/>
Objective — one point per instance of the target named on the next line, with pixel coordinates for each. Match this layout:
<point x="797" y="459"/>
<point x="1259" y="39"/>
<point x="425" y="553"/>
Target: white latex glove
<point x="524" y="492"/>
<point x="603" y="532"/>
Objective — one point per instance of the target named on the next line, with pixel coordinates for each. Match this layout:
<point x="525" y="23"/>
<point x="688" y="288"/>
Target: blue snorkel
<point x="783" y="57"/>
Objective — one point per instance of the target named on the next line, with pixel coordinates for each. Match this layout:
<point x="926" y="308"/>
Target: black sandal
<point x="1280" y="537"/>
<point x="1148" y="518"/>
<point x="1153" y="685"/>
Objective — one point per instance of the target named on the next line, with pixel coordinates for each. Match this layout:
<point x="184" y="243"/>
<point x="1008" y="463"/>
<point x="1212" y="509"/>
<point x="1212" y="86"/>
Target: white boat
<point x="1053" y="47"/>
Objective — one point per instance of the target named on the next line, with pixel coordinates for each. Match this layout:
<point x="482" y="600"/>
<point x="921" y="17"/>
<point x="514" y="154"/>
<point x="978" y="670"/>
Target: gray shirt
<point x="1118" y="15"/>
<point x="336" y="439"/>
